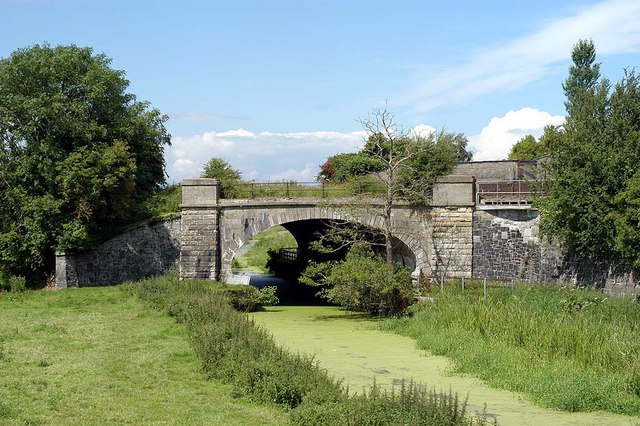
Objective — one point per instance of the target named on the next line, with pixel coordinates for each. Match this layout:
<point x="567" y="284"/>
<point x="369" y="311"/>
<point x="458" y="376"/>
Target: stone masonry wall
<point x="507" y="244"/>
<point x="242" y="219"/>
<point x="148" y="250"/>
<point x="452" y="241"/>
<point x="199" y="256"/>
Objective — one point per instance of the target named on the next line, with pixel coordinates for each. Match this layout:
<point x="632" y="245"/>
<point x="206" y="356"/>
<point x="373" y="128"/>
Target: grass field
<point x="255" y="259"/>
<point x="96" y="356"/>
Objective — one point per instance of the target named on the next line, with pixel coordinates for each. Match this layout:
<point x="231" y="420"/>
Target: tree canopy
<point x="229" y="178"/>
<point x="78" y="153"/>
<point x="591" y="175"/>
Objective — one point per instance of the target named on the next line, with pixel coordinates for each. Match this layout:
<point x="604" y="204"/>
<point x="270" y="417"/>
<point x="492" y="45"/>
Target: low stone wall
<point x="147" y="250"/>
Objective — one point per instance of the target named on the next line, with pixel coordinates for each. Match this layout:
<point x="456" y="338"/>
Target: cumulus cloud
<point x="278" y="156"/>
<point x="614" y="26"/>
<point x="422" y="130"/>
<point x="496" y="139"/>
<point x="259" y="155"/>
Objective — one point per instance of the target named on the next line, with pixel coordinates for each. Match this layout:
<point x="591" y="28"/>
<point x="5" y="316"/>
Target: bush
<point x="232" y="349"/>
<point x="363" y="283"/>
<point x="12" y="283"/>
<point x="341" y="167"/>
<point x="246" y="298"/>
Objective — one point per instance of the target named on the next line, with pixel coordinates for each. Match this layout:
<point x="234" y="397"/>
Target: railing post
<point x="323" y="193"/>
<point x="462" y="283"/>
<point x="442" y="283"/>
<point x="484" y="288"/>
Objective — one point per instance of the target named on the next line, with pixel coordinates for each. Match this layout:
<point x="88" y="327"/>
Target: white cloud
<point x="307" y="174"/>
<point x="259" y="155"/>
<point x="614" y="26"/>
<point x="240" y="133"/>
<point x="422" y="130"/>
<point x="277" y="156"/>
<point x="496" y="139"/>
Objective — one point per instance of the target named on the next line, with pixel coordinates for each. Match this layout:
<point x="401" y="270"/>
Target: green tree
<point x="593" y="161"/>
<point x="526" y="148"/>
<point x="78" y="154"/>
<point x="229" y="178"/>
<point x="362" y="282"/>
<point x="404" y="165"/>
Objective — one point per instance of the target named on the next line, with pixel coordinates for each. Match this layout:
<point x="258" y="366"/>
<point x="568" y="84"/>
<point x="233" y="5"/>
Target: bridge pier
<point x="199" y="246"/>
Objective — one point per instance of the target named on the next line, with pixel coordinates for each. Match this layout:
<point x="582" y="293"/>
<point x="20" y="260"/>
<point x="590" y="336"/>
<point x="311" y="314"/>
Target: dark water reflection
<point x="289" y="292"/>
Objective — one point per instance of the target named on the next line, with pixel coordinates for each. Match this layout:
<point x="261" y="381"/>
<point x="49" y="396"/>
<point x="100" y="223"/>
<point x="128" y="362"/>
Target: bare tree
<point x="389" y="143"/>
<point x="410" y="164"/>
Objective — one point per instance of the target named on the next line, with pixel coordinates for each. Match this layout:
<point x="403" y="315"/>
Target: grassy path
<point x="96" y="356"/>
<point x="353" y="348"/>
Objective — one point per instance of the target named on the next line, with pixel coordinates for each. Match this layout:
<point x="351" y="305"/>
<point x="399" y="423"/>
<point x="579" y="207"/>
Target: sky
<point x="275" y="87"/>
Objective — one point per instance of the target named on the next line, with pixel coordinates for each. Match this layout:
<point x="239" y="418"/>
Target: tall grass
<point x="572" y="349"/>
<point x="233" y="349"/>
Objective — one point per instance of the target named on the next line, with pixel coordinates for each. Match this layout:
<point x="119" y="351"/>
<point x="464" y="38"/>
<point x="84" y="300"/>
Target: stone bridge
<point x="435" y="239"/>
<point x="483" y="229"/>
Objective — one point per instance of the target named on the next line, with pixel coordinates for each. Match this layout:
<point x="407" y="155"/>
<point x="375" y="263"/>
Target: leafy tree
<point x="627" y="221"/>
<point x="526" y="148"/>
<point x="229" y="178"/>
<point x="341" y="167"/>
<point x="78" y="153"/>
<point x="405" y="166"/>
<point x="593" y="161"/>
<point x="362" y="282"/>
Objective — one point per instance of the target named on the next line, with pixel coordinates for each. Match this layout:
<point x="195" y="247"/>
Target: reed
<point x="572" y="349"/>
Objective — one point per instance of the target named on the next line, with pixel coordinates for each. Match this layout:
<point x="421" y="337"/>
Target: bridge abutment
<point x="199" y="246"/>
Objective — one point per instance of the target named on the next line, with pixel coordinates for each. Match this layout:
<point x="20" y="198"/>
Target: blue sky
<point x="274" y="87"/>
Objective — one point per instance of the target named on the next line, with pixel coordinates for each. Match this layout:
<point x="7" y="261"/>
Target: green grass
<point x="575" y="350"/>
<point x="256" y="258"/>
<point x="96" y="356"/>
<point x="233" y="349"/>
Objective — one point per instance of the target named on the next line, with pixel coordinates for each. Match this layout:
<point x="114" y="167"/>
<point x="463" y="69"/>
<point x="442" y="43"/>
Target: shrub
<point x="246" y="298"/>
<point x="12" y="283"/>
<point x="413" y="404"/>
<point x="232" y="349"/>
<point x="341" y="167"/>
<point x="363" y="283"/>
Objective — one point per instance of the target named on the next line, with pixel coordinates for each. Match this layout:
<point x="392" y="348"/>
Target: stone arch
<point x="238" y="224"/>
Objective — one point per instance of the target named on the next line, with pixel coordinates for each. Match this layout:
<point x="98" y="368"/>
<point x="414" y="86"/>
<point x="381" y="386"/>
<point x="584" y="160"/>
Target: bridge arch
<point x="438" y="237"/>
<point x="238" y="223"/>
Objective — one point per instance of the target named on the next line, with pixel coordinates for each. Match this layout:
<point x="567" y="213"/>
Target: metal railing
<point x="504" y="192"/>
<point x="474" y="285"/>
<point x="304" y="189"/>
